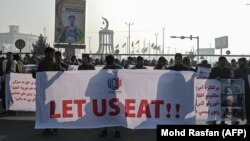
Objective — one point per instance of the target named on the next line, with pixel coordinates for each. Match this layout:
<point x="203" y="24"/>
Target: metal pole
<point x="144" y="45"/>
<point x="163" y="41"/>
<point x="129" y="24"/>
<point x="198" y="52"/>
<point x="44" y="32"/>
<point x="149" y="52"/>
<point x="36" y="55"/>
<point x="129" y="38"/>
<point x="21" y="53"/>
<point x="89" y="43"/>
<point x="126" y="46"/>
<point x="156" y="42"/>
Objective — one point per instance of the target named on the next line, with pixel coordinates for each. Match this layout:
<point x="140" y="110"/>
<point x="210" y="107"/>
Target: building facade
<point x="7" y="40"/>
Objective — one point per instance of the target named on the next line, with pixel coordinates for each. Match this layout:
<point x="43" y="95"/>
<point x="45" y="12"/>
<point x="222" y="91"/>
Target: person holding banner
<point x="129" y="63"/>
<point x="187" y="63"/>
<point x="161" y="64"/>
<point x="203" y="70"/>
<point x="86" y="63"/>
<point x="110" y="64"/>
<point x="220" y="72"/>
<point x="19" y="66"/>
<point x="49" y="64"/>
<point x="58" y="58"/>
<point x="139" y="63"/>
<point x="242" y="73"/>
<point x="8" y="66"/>
<point x="204" y="64"/>
<point x="178" y="66"/>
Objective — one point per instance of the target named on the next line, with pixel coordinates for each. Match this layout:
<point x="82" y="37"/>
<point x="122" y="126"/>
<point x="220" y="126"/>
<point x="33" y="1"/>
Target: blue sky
<point x="207" y="19"/>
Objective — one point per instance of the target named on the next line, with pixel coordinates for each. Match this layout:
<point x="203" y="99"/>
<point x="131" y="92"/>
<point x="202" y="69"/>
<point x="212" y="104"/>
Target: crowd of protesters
<point x="53" y="61"/>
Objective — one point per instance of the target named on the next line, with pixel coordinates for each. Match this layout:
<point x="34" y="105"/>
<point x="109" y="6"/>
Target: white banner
<point x="134" y="99"/>
<point x="203" y="72"/>
<point x="208" y="103"/>
<point x="73" y="68"/>
<point x="21" y="90"/>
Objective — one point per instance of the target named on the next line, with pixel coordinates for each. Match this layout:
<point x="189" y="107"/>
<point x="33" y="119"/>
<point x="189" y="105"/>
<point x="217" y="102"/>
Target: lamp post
<point x="44" y="30"/>
<point x="191" y="37"/>
<point x="89" y="44"/>
<point x="126" y="46"/>
<point x="156" y="43"/>
<point x="163" y="40"/>
<point x="129" y="24"/>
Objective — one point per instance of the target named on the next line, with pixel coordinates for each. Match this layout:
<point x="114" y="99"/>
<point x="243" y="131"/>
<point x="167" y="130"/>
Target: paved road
<point x="21" y="128"/>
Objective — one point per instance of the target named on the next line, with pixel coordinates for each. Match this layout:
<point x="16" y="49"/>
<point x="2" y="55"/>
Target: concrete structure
<point x="7" y="40"/>
<point x="106" y="40"/>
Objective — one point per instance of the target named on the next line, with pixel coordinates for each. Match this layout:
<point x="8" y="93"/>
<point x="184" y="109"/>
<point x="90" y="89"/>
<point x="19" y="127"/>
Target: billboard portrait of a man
<point x="71" y="33"/>
<point x="70" y="21"/>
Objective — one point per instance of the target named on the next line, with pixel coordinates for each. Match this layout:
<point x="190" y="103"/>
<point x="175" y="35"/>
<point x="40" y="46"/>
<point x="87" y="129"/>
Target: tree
<point x="39" y="47"/>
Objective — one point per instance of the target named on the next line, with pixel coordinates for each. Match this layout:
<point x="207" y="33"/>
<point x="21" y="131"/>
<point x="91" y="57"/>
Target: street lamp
<point x="129" y="24"/>
<point x="163" y="40"/>
<point x="156" y="42"/>
<point x="190" y="37"/>
<point x="89" y="44"/>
